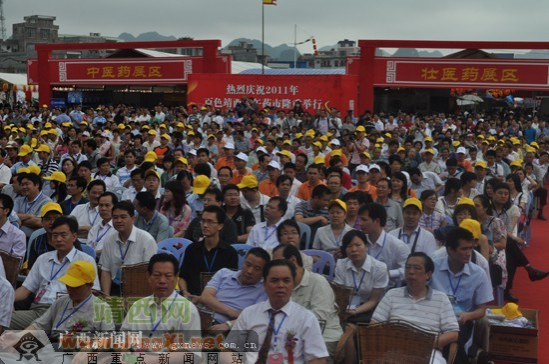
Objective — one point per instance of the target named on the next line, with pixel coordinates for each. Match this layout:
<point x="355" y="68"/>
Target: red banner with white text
<point x="314" y="91"/>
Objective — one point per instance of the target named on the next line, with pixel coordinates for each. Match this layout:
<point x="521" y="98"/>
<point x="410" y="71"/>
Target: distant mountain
<point x="433" y="54"/>
<point x="145" y="37"/>
<point x="534" y="54"/>
<point x="279" y="52"/>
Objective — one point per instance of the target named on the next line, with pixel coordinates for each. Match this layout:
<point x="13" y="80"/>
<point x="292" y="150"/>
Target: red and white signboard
<point x="314" y="91"/>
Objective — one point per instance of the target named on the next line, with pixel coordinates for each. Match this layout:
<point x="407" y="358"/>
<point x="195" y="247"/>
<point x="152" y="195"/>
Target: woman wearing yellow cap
<point x="58" y="184"/>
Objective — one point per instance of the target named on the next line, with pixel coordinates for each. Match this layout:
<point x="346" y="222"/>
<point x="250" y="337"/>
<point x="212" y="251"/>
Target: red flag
<point x="269" y="2"/>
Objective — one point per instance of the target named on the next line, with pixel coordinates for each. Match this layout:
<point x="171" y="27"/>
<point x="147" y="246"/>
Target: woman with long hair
<point x="68" y="167"/>
<point x="167" y="164"/>
<point x="431" y="219"/>
<point x="176" y="208"/>
<point x="58" y="184"/>
<point x="448" y="201"/>
<point x="399" y="188"/>
<point x="465" y="209"/>
<point x="516" y="194"/>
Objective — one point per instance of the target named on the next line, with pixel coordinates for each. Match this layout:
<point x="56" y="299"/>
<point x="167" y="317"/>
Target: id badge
<point x="117" y="277"/>
<point x="277" y="358"/>
<point x="40" y="295"/>
<point x="455" y="305"/>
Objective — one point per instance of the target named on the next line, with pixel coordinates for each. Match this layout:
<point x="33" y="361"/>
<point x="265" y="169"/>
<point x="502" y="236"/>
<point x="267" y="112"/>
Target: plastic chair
<point x="325" y="259"/>
<point x="175" y="246"/>
<point x="33" y="236"/>
<point x="305" y="236"/>
<point x="242" y="250"/>
<point x="89" y="250"/>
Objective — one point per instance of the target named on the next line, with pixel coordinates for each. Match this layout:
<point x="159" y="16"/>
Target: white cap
<point x="242" y="157"/>
<point x="274" y="164"/>
<point x="86" y="133"/>
<point x="375" y="166"/>
<point x="229" y="146"/>
<point x="106" y="135"/>
<point x="362" y="168"/>
<point x="192" y="152"/>
<point x="261" y="149"/>
<point x="335" y="142"/>
<point x="461" y="150"/>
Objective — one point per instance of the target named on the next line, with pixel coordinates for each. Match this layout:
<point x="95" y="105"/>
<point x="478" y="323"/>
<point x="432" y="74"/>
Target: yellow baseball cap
<point x="166" y="136"/>
<point x="287" y="142"/>
<point x="413" y="202"/>
<point x="79" y="273"/>
<point x="57" y="176"/>
<point x="84" y="123"/>
<point x="151" y="157"/>
<point x="201" y="184"/>
<point x="481" y="164"/>
<point x="285" y="153"/>
<point x="49" y="207"/>
<point x="516" y="163"/>
<point x="23" y="170"/>
<point x="152" y="172"/>
<point x="510" y="311"/>
<point x="323" y="138"/>
<point x="43" y="148"/>
<point x="367" y="155"/>
<point x="248" y="182"/>
<point x="337" y="152"/>
<point x="179" y="125"/>
<point x="360" y="128"/>
<point x="151" y="132"/>
<point x="44" y="133"/>
<point x="401" y="149"/>
<point x="35" y="169"/>
<point x="182" y="160"/>
<point x="338" y="202"/>
<point x="471" y="225"/>
<point x="319" y="160"/>
<point x="430" y="151"/>
<point x="466" y="201"/>
<point x="25" y="149"/>
<point x="34" y="142"/>
<point x="121" y="126"/>
<point x="317" y="144"/>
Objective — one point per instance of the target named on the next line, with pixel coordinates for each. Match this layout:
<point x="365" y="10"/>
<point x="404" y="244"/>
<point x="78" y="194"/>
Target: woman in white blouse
<point x="367" y="276"/>
<point x="329" y="237"/>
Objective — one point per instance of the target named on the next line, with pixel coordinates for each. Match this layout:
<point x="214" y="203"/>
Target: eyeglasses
<point x="209" y="222"/>
<point x="289" y="233"/>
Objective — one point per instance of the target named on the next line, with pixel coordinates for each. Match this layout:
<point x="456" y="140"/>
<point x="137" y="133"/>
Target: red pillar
<point x="44" y="85"/>
<point x="366" y="79"/>
<point x="209" y="56"/>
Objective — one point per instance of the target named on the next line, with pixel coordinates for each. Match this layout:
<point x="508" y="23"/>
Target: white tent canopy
<point x="18" y="79"/>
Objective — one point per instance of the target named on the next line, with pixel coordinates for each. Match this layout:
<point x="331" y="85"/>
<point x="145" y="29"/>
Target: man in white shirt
<point x="382" y="246"/>
<point x="280" y="320"/>
<point x="100" y="233"/>
<point x="87" y="215"/>
<point x="417" y="239"/>
<point x="5" y="171"/>
<point x="43" y="278"/>
<point x="104" y="173"/>
<point x="263" y="234"/>
<point x="124" y="173"/>
<point x="12" y="239"/>
<point x="130" y="245"/>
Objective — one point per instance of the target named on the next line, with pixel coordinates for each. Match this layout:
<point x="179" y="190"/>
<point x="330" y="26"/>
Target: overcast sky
<point x="328" y="20"/>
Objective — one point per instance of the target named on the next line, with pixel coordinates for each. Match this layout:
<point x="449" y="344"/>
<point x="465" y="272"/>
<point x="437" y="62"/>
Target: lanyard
<point x="382" y="246"/>
<point x="267" y="230"/>
<point x="209" y="266"/>
<point x="277" y="330"/>
<point x="454" y="290"/>
<point x="92" y="223"/>
<point x="408" y="238"/>
<point x="148" y="225"/>
<point x="123" y="256"/>
<point x="63" y="318"/>
<point x="29" y="206"/>
<point x="98" y="238"/>
<point x="357" y="287"/>
<point x="338" y="239"/>
<point x="52" y="276"/>
<point x="155" y="326"/>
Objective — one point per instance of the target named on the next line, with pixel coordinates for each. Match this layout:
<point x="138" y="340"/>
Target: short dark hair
<point x="113" y="197"/>
<point x="282" y="178"/>
<point x="428" y="263"/>
<point x="320" y="191"/>
<point x="451" y="162"/>
<point x="101" y="161"/>
<point x="349" y="236"/>
<point x="136" y="172"/>
<point x="66" y="220"/>
<point x="282" y="204"/>
<point x="452" y="184"/>
<point x="91" y="143"/>
<point x="374" y="211"/>
<point x="34" y="178"/>
<point x="289" y="251"/>
<point x="290" y="223"/>
<point x="125" y="206"/>
<point x="214" y="191"/>
<point x="229" y="187"/>
<point x="203" y="168"/>
<point x="146" y="200"/>
<point x="129" y="151"/>
<point x="289" y="165"/>
<point x="260" y="253"/>
<point x="96" y="182"/>
<point x="163" y="258"/>
<point x="455" y="235"/>
<point x="467" y="177"/>
<point x="218" y="211"/>
<point x="80" y="182"/>
<point x="278" y="263"/>
<point x="227" y="168"/>
<point x="7" y="202"/>
<point x="85" y="164"/>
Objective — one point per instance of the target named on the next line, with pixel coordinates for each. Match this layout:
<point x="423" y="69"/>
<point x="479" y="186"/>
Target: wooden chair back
<point x="395" y="342"/>
<point x="134" y="282"/>
<point x="204" y="279"/>
<point x="12" y="263"/>
<point x="342" y="298"/>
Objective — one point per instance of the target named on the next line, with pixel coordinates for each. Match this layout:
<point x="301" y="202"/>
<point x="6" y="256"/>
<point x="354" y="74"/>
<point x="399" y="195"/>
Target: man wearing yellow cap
<point x="43" y="279"/>
<point x="47" y="164"/>
<point x="25" y="159"/>
<point x="80" y="310"/>
<point x="29" y="204"/>
<point x="152" y="141"/>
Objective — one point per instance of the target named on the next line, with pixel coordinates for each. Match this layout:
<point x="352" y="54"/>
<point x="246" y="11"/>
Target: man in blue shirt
<point x="466" y="285"/>
<point x="229" y="292"/>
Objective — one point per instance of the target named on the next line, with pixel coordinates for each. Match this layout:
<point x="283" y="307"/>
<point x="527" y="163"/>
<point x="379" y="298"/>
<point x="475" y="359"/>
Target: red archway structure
<point x="375" y="71"/>
<point x="171" y="70"/>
